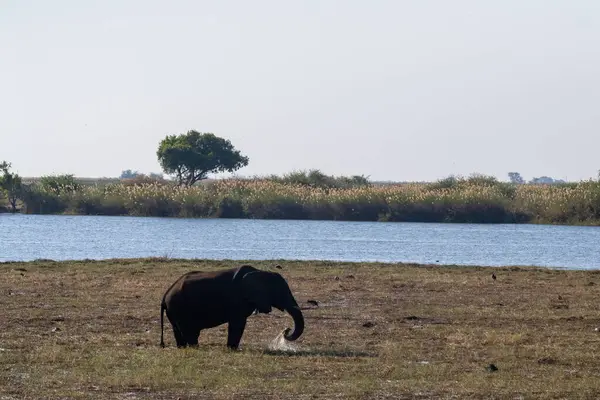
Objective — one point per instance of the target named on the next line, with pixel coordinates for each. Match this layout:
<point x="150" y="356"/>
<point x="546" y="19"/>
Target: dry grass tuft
<point x="83" y="330"/>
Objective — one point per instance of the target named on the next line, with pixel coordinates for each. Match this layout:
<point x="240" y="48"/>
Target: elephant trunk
<point x="298" y="323"/>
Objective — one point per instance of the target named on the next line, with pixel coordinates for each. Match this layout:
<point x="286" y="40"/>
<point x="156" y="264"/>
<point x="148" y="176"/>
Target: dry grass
<point x="91" y="330"/>
<point x="473" y="200"/>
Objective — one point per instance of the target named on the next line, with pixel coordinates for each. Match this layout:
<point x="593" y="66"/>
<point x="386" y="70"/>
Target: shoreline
<point x="587" y="223"/>
<point x="290" y="262"/>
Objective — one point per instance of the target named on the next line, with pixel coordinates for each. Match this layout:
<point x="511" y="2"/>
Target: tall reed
<point x="474" y="200"/>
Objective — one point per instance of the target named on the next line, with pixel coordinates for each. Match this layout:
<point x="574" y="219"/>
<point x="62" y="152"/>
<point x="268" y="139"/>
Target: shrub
<point x="37" y="200"/>
<point x="59" y="184"/>
<point x="317" y="179"/>
<point x="450" y="182"/>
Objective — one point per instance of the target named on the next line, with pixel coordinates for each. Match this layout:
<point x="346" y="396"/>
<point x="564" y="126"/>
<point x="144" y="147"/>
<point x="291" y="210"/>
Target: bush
<point x="317" y="179"/>
<point x="37" y="200"/>
<point x="482" y="180"/>
<point x="97" y="203"/>
<point x="229" y="207"/>
<point x="59" y="184"/>
<point x="450" y="182"/>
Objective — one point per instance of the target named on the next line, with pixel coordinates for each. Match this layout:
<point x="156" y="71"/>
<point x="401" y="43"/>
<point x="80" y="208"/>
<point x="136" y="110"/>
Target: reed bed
<point x="475" y="201"/>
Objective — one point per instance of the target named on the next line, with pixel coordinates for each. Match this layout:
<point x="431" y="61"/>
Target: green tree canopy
<point x="192" y="156"/>
<point x="128" y="174"/>
<point x="11" y="185"/>
<point x="515" y="177"/>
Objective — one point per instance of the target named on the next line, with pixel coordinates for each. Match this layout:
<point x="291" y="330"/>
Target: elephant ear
<point x="255" y="290"/>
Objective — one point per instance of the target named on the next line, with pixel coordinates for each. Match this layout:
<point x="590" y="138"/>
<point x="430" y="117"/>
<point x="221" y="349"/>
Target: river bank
<point x="460" y="201"/>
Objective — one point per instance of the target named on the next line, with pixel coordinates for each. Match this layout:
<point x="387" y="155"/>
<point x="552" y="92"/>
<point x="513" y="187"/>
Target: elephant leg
<point x="192" y="337"/>
<point x="179" y="339"/>
<point x="189" y="332"/>
<point x="235" y="330"/>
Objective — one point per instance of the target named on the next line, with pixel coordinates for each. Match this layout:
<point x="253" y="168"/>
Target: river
<point x="59" y="237"/>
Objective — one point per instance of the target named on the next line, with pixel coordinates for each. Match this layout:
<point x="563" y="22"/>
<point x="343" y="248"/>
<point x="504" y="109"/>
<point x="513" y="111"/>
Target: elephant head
<point x="264" y="289"/>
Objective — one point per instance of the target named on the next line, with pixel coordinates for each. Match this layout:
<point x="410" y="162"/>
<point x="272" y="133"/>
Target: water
<point x="29" y="237"/>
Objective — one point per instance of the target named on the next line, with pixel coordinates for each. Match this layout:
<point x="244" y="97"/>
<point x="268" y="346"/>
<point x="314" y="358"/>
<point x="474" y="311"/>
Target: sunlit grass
<point x="91" y="330"/>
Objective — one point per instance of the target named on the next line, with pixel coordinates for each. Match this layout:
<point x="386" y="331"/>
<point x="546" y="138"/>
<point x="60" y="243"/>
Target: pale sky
<point x="395" y="90"/>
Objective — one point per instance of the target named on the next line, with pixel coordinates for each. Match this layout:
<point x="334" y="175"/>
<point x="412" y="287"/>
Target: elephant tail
<point x="163" y="306"/>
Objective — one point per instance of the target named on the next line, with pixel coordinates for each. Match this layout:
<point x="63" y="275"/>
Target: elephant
<point x="205" y="299"/>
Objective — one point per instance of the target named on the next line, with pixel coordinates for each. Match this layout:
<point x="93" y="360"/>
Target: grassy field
<point x="91" y="330"/>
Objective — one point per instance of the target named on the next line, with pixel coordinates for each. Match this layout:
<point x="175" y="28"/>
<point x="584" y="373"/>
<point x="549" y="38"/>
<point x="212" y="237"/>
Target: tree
<point x="155" y="175"/>
<point x="136" y="175"/>
<point x="546" y="180"/>
<point x="515" y="177"/>
<point x="192" y="156"/>
<point x="10" y="184"/>
<point x="128" y="174"/>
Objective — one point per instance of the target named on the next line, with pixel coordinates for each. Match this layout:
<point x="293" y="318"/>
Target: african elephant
<point x="200" y="300"/>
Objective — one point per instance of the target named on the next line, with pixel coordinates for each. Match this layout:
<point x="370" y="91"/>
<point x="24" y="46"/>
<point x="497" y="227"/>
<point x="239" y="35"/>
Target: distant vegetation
<point x="317" y="179"/>
<point x="314" y="195"/>
<point x="516" y="177"/>
<point x="190" y="157"/>
<point x="11" y="186"/>
<point x="129" y="174"/>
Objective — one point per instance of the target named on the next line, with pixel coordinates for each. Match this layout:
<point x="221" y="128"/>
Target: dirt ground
<point x="91" y="330"/>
